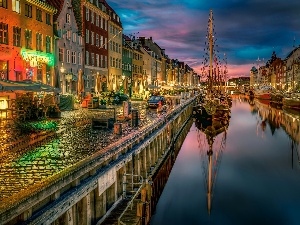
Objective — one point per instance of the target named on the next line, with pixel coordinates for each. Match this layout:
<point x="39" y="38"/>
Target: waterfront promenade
<point x="25" y="169"/>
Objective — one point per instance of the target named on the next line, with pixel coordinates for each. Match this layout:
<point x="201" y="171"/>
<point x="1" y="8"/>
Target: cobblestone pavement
<point x="23" y="167"/>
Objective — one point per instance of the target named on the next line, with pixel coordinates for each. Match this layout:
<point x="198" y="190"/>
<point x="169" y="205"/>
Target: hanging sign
<point x="35" y="57"/>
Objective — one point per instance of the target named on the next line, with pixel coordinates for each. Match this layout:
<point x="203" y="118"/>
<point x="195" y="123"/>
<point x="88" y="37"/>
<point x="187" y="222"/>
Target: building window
<point x="3" y="3"/>
<point x="15" y="6"/>
<point x="39" y="15"/>
<point x="92" y="61"/>
<point x="97" y="20"/>
<point x="74" y="57"/>
<point x="39" y="74"/>
<point x="68" y="56"/>
<point x="28" y="39"/>
<point x="101" y="61"/>
<point x="39" y="42"/>
<point x="87" y="54"/>
<point x="3" y="33"/>
<point x="79" y="40"/>
<point x="17" y="36"/>
<point x="101" y="41"/>
<point x="48" y="75"/>
<point x="48" y="44"/>
<point x="61" y="54"/>
<point x="68" y="35"/>
<point x="87" y="14"/>
<point x="79" y="58"/>
<point x="48" y="19"/>
<point x="92" y="38"/>
<point x="97" y="60"/>
<point x="28" y="10"/>
<point x="101" y="22"/>
<point x="68" y="18"/>
<point x="92" y="17"/>
<point x="74" y="37"/>
<point x="87" y="36"/>
<point x="97" y="40"/>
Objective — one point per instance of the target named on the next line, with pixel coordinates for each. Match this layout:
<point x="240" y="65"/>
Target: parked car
<point x="156" y="100"/>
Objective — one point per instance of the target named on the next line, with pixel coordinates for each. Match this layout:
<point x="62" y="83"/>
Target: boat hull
<point x="265" y="96"/>
<point x="276" y="98"/>
<point x="291" y="103"/>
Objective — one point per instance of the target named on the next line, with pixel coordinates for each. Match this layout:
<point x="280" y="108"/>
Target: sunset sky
<point x="245" y="29"/>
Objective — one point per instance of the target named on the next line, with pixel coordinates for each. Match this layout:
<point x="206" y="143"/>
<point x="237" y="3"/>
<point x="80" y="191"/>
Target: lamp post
<point x="68" y="77"/>
<point x="123" y="84"/>
<point x="62" y="70"/>
<point x="130" y="86"/>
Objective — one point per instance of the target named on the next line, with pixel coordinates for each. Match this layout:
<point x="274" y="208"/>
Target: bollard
<point x="118" y="128"/>
<point x="134" y="117"/>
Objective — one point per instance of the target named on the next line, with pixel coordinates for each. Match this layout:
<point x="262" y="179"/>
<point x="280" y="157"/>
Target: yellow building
<point x="115" y="42"/>
<point x="137" y="72"/>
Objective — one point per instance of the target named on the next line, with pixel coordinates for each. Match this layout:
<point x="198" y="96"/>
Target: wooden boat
<point x="263" y="92"/>
<point x="276" y="97"/>
<point x="292" y="100"/>
<point x="216" y="103"/>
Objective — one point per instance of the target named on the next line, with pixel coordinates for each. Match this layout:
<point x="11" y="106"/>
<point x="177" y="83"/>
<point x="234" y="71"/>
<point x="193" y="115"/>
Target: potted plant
<point x="54" y="111"/>
<point x="102" y="103"/>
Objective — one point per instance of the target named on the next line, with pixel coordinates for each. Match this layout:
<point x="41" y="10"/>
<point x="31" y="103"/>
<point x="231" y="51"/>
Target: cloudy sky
<point x="245" y="29"/>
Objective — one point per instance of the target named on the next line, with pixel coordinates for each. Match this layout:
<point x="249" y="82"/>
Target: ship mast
<point x="211" y="47"/>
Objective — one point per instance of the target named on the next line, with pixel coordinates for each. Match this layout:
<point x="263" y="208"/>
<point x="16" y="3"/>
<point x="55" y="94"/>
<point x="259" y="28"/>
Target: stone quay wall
<point x="87" y="192"/>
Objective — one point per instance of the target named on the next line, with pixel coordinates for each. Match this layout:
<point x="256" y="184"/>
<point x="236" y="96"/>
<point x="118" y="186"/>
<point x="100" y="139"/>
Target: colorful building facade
<point x="95" y="30"/>
<point x="26" y="41"/>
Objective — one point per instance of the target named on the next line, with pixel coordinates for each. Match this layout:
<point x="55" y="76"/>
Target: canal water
<point x="251" y="176"/>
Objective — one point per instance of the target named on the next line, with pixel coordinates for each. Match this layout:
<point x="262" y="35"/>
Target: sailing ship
<point x="216" y="102"/>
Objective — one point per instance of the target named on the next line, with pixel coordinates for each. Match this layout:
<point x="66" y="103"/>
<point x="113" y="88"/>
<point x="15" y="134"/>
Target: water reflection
<point x="212" y="141"/>
<point x="276" y="118"/>
<point x="248" y="177"/>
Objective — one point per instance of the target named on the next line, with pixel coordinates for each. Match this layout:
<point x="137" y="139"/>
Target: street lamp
<point x="123" y="78"/>
<point x="62" y="69"/>
<point x="68" y="77"/>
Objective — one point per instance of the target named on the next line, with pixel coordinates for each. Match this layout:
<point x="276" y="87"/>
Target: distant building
<point x="95" y="31"/>
<point x="68" y="48"/>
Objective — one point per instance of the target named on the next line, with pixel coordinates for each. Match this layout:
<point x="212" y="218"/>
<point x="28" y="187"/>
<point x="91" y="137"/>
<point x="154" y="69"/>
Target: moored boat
<point x="263" y="92"/>
<point x="292" y="100"/>
<point x="216" y="103"/>
<point x="276" y="97"/>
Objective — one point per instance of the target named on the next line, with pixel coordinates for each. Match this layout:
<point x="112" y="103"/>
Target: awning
<point x="167" y="87"/>
<point x="25" y="85"/>
<point x="7" y="85"/>
<point x="151" y="86"/>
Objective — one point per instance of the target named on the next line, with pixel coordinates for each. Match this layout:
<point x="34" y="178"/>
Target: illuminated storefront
<point x="27" y="42"/>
